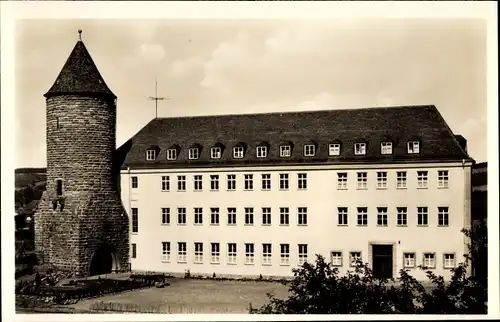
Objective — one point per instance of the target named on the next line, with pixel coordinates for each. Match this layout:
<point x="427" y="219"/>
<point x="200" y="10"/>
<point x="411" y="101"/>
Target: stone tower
<point x="81" y="225"/>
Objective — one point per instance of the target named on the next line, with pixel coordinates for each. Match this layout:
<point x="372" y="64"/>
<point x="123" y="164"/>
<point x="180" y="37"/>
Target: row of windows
<point x="284" y="181"/>
<point x="334" y="149"/>
<point x="428" y="259"/>
<point x="284" y="216"/>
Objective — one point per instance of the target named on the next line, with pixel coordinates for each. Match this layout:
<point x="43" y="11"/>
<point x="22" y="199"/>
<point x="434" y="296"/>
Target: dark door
<point x="382" y="261"/>
<point x="102" y="262"/>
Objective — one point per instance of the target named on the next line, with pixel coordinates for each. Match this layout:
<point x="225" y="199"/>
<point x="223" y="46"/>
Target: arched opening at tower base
<point x="103" y="261"/>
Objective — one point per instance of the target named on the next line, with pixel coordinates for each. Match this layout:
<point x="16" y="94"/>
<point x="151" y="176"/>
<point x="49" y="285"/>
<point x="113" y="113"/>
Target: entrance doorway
<point x="382" y="261"/>
<point x="102" y="262"/>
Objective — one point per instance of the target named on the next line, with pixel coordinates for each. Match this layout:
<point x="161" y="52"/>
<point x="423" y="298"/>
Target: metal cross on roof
<point x="156" y="98"/>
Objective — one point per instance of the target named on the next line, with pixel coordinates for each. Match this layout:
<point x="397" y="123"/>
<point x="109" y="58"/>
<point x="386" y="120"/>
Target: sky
<point x="234" y="66"/>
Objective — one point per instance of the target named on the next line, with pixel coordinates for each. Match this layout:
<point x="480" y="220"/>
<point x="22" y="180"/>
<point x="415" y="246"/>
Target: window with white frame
<point x="334" y="149"/>
<point x="214" y="182"/>
<point x="198" y="216"/>
<point x="198" y="252"/>
<point x="359" y="148"/>
<point x="401" y="179"/>
<point x="382" y="216"/>
<point x="443" y="216"/>
<point x="165" y="216"/>
<point x="413" y="147"/>
<point x="302" y="253"/>
<point x="215" y="248"/>
<point x="181" y="183"/>
<point x="449" y="260"/>
<point x="266" y="181"/>
<point x="135" y="220"/>
<point x="402" y="216"/>
<point x="342" y="180"/>
<point x="248" y="181"/>
<point x="231" y="216"/>
<point x="354" y="257"/>
<point x="198" y="183"/>
<point x="261" y="151"/>
<point x="429" y="260"/>
<point x="422" y="216"/>
<point x="135" y="182"/>
<point x="231" y="253"/>
<point x="165" y="183"/>
<point x="302" y="181"/>
<point x="181" y="216"/>
<point x="422" y="179"/>
<point x="150" y="155"/>
<point x="284" y="181"/>
<point x="342" y="216"/>
<point x="409" y="260"/>
<point x="362" y="216"/>
<point x="362" y="180"/>
<point x="248" y="216"/>
<point x="386" y="148"/>
<point x="171" y="154"/>
<point x="266" y="216"/>
<point x="266" y="254"/>
<point x="215" y="152"/>
<point x="284" y="254"/>
<point x="382" y="180"/>
<point x="284" y="216"/>
<point x="194" y="153"/>
<point x="165" y="253"/>
<point x="337" y="259"/>
<point x="249" y="254"/>
<point x="285" y="151"/>
<point x="238" y="152"/>
<point x="181" y="252"/>
<point x="443" y="179"/>
<point x="133" y="251"/>
<point x="214" y="216"/>
<point x="231" y="182"/>
<point x="302" y="216"/>
<point x="309" y="150"/>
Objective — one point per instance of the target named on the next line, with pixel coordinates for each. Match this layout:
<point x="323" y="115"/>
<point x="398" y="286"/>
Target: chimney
<point x="462" y="141"/>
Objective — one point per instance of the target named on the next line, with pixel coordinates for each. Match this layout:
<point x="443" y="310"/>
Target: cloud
<point x="150" y="52"/>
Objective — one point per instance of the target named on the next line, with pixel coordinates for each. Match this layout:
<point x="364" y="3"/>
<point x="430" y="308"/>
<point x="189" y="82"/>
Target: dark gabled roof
<point x="79" y="75"/>
<point x="322" y="127"/>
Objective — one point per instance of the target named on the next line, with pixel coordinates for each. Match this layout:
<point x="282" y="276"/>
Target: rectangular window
<point x="266" y="182"/>
<point x="337" y="259"/>
<point x="342" y="180"/>
<point x="342" y="216"/>
<point x="248" y="216"/>
<point x="214" y="216"/>
<point x="382" y="180"/>
<point x="165" y="183"/>
<point x="443" y="216"/>
<point x="135" y="182"/>
<point x="198" y="216"/>
<point x="266" y="216"/>
<point x="181" y="183"/>
<point x="135" y="220"/>
<point x="198" y="183"/>
<point x="360" y="148"/>
<point x="309" y="150"/>
<point x="443" y="179"/>
<point x="181" y="252"/>
<point x="284" y="182"/>
<point x="150" y="155"/>
<point x="285" y="254"/>
<point x="285" y="151"/>
<point x="362" y="216"/>
<point x="248" y="181"/>
<point x="402" y="216"/>
<point x="215" y="153"/>
<point x="165" y="216"/>
<point x="231" y="216"/>
<point x="165" y="253"/>
<point x="249" y="254"/>
<point x="198" y="252"/>
<point x="134" y="250"/>
<point x="231" y="253"/>
<point x="302" y="181"/>
<point x="231" y="182"/>
<point x="194" y="153"/>
<point x="171" y="154"/>
<point x="181" y="216"/>
<point x="423" y="216"/>
<point x="215" y="259"/>
<point x="302" y="253"/>
<point x="354" y="257"/>
<point x="422" y="179"/>
<point x="284" y="216"/>
<point x="413" y="147"/>
<point x="429" y="260"/>
<point x="261" y="151"/>
<point x="266" y="254"/>
<point x="362" y="180"/>
<point x="214" y="182"/>
<point x="302" y="216"/>
<point x="449" y="260"/>
<point x="401" y="179"/>
<point x="409" y="260"/>
<point x="386" y="148"/>
<point x="382" y="216"/>
<point x="238" y="152"/>
<point x="334" y="149"/>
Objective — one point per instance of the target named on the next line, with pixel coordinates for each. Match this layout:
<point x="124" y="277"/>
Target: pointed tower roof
<point x="79" y="75"/>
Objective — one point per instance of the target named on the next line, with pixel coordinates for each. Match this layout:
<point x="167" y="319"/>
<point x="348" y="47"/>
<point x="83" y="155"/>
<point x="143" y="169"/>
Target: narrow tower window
<point x="59" y="187"/>
<point x="58" y="124"/>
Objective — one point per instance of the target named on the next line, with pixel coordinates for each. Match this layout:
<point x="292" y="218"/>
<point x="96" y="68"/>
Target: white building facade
<point x="387" y="202"/>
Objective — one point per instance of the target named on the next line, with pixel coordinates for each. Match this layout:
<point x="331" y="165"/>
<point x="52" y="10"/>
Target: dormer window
<point x="215" y="152"/>
<point x="150" y="155"/>
<point x="413" y="147"/>
<point x="309" y="150"/>
<point x="334" y="149"/>
<point x="238" y="152"/>
<point x="360" y="148"/>
<point x="194" y="153"/>
<point x="171" y="154"/>
<point x="261" y="151"/>
<point x="285" y="151"/>
<point x="386" y="148"/>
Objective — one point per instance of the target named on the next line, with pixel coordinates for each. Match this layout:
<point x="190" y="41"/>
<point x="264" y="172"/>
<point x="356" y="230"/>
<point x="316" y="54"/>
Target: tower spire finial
<point x="80" y="34"/>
